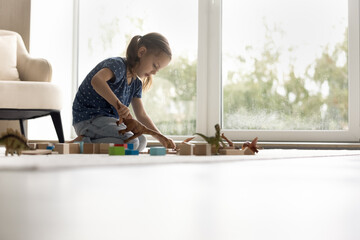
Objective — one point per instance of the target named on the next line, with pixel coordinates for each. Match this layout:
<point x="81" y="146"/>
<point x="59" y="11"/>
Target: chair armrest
<point x="34" y="69"/>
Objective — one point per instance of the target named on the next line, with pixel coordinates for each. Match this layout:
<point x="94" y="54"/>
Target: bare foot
<point x="78" y="139"/>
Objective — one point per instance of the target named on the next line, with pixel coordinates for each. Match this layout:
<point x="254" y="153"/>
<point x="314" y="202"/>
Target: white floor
<point x="286" y="198"/>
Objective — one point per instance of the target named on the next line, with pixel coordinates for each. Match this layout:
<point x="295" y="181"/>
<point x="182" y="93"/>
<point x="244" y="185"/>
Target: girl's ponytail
<point x="132" y="54"/>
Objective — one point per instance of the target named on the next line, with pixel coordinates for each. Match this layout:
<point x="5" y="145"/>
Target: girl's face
<point x="150" y="63"/>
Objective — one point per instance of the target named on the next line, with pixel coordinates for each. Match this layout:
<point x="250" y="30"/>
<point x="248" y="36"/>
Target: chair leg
<point x="22" y="129"/>
<point x="56" y="118"/>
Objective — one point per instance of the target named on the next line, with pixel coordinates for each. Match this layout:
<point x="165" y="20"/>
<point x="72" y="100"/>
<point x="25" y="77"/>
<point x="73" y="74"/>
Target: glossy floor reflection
<point x="311" y="198"/>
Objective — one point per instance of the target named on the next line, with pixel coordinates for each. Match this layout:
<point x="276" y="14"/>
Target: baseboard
<point x="292" y="145"/>
<point x="268" y="145"/>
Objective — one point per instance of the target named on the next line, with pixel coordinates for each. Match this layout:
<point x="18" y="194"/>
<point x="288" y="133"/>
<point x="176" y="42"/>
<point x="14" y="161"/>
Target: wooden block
<point x="50" y="147"/>
<point x="171" y="151"/>
<point x="74" y="148"/>
<point x="42" y="145"/>
<point x="157" y="151"/>
<point x="116" y="150"/>
<point x="62" y="148"/>
<point x="97" y="148"/>
<point x="121" y="145"/>
<point x="81" y="145"/>
<point x="32" y="145"/>
<point x="202" y="149"/>
<point x="88" y="148"/>
<point x="104" y="147"/>
<point x="248" y="151"/>
<point x="131" y="152"/>
<point x="213" y="150"/>
<point x="227" y="151"/>
<point x="227" y="147"/>
<point x="186" y="149"/>
<point x="37" y="152"/>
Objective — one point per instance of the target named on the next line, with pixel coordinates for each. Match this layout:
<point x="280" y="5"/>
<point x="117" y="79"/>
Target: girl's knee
<point x="139" y="143"/>
<point x="142" y="142"/>
<point x="135" y="142"/>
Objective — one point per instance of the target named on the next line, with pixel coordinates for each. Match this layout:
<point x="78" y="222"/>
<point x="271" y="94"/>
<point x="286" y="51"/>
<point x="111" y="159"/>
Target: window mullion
<point x="209" y="69"/>
<point x="353" y="68"/>
<point x="202" y="66"/>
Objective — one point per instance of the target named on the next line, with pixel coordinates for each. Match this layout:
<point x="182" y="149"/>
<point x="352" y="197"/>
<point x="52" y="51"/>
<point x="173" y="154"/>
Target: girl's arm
<point x="99" y="83"/>
<point x="142" y="117"/>
<point x="141" y="114"/>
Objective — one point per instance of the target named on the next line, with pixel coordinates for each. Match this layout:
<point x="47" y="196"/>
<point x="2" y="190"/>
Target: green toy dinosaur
<point x="14" y="142"/>
<point x="215" y="140"/>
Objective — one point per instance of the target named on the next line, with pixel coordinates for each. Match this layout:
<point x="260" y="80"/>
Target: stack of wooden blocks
<point x="205" y="149"/>
<point x="123" y="149"/>
<point x="200" y="149"/>
<point x="185" y="148"/>
<point x="86" y="148"/>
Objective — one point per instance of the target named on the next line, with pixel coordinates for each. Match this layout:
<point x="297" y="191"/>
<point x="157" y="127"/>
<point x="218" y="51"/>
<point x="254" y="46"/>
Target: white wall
<point x="51" y="38"/>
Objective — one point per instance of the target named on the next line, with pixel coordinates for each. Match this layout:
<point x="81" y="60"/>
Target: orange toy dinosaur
<point x="231" y="144"/>
<point x="251" y="145"/>
<point x="137" y="128"/>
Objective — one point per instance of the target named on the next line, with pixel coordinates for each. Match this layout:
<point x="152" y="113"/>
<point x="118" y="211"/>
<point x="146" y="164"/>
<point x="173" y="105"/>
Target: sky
<point x="307" y="27"/>
<point x="176" y="20"/>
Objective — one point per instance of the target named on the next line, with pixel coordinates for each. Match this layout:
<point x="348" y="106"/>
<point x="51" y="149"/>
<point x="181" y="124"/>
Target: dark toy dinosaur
<point x="14" y="142"/>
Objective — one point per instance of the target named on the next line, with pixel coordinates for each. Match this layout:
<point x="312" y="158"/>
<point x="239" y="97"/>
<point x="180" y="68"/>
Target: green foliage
<point x="316" y="99"/>
<point x="260" y="100"/>
<point x="171" y="101"/>
<point x="182" y="74"/>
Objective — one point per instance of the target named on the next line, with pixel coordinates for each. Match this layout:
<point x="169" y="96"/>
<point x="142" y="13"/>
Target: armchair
<point x="26" y="91"/>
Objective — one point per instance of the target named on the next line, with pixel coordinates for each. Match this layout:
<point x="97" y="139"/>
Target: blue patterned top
<point x="88" y="103"/>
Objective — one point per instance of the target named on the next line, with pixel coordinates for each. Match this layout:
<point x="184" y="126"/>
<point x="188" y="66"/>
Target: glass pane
<point x="285" y="65"/>
<point x="107" y="26"/>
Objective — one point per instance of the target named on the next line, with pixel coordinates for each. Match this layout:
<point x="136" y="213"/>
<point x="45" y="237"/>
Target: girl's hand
<point x="172" y="144"/>
<point x="122" y="110"/>
<point x="167" y="142"/>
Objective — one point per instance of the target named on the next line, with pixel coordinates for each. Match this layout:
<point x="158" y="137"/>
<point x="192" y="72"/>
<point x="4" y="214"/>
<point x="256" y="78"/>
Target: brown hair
<point x="154" y="43"/>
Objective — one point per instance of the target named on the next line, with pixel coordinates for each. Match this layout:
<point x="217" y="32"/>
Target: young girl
<point x="104" y="96"/>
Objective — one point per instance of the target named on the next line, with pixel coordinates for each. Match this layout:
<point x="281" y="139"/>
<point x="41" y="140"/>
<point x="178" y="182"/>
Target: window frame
<point x="209" y="82"/>
<point x="209" y="85"/>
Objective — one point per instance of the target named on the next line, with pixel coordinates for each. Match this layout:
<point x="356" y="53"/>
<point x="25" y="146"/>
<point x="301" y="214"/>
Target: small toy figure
<point x="188" y="140"/>
<point x="251" y="145"/>
<point x="14" y="142"/>
<point x="137" y="128"/>
<point x="247" y="148"/>
<point x="215" y="140"/>
<point x="231" y="144"/>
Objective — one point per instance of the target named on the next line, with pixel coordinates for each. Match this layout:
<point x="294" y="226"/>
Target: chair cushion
<point x="8" y="70"/>
<point x="30" y="95"/>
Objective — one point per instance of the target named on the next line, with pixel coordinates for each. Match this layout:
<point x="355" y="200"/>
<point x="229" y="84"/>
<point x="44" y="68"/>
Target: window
<point x="286" y="73"/>
<point x="105" y="29"/>
<point x="285" y="68"/>
<point x="280" y="70"/>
